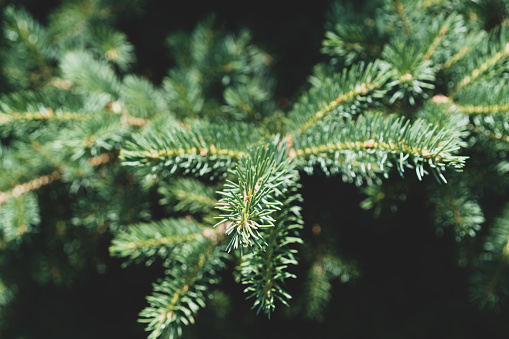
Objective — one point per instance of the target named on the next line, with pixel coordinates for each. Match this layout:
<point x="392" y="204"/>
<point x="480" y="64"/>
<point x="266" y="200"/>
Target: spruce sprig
<point x="179" y="296"/>
<point x="266" y="270"/>
<point x="373" y="143"/>
<point x="198" y="148"/>
<point x="262" y="177"/>
<point x="159" y="238"/>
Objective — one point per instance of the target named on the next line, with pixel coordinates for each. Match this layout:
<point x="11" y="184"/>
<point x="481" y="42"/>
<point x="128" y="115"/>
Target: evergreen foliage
<point x="202" y="174"/>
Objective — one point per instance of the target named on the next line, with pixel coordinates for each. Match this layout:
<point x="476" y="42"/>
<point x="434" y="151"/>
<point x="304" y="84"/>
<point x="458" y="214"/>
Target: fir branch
<point x="90" y="74"/>
<point x="493" y="127"/>
<point x="484" y="109"/>
<point x="133" y="121"/>
<point x="200" y="149"/>
<point x="93" y="137"/>
<point x="470" y="42"/>
<point x="191" y="195"/>
<point x="18" y="216"/>
<point x="7" y="294"/>
<point x="30" y="186"/>
<point x="56" y="175"/>
<point x="50" y="103"/>
<point x="483" y="98"/>
<point x="318" y="284"/>
<point x="141" y="98"/>
<point x="225" y="77"/>
<point x="454" y="206"/>
<point x="436" y="42"/>
<point x="183" y="292"/>
<point x="325" y="268"/>
<point x="496" y="52"/>
<point x="265" y="271"/>
<point x="339" y="268"/>
<point x="43" y="115"/>
<point x="383" y="197"/>
<point x="488" y="286"/>
<point x="401" y="12"/>
<point x="484" y="67"/>
<point x="113" y="46"/>
<point x="102" y="159"/>
<point x="446" y="117"/>
<point x="21" y="28"/>
<point x="350" y="35"/>
<point x="262" y="176"/>
<point x="184" y="92"/>
<point x="349" y="41"/>
<point x="410" y="72"/>
<point x="379" y="139"/>
<point x="497" y="242"/>
<point x="362" y="82"/>
<point x="443" y="29"/>
<point x="158" y="238"/>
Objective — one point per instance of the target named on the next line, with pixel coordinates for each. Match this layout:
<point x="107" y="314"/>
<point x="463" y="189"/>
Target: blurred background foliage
<point x="411" y="286"/>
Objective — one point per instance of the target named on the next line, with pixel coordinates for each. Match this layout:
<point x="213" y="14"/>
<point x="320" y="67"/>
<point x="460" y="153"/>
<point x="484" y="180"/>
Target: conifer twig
<point x="46" y="115"/>
<point x="29" y="186"/>
<point x="362" y="89"/>
<point x="400" y="10"/>
<point x="483" y="109"/>
<point x="483" y="67"/>
<point x="45" y="180"/>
